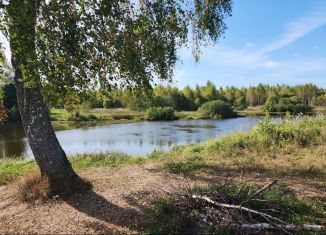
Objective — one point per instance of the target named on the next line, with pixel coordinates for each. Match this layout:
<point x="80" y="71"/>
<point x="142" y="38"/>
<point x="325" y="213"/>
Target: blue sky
<point x="267" y="41"/>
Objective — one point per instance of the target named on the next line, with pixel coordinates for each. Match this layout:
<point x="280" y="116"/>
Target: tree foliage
<point x="105" y="43"/>
<point x="286" y="104"/>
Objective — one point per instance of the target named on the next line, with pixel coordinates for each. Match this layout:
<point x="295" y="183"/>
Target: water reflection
<point x="12" y="141"/>
<point x="139" y="138"/>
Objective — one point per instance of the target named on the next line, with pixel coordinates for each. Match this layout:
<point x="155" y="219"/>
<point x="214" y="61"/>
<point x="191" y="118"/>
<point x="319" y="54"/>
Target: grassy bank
<point x="61" y="119"/>
<point x="259" y="111"/>
<point x="288" y="148"/>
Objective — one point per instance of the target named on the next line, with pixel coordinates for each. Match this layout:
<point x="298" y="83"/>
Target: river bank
<point x="100" y="117"/>
<point x="126" y="187"/>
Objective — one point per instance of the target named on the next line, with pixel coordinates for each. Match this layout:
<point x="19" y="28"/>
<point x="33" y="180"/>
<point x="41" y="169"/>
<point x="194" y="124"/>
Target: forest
<point x="278" y="98"/>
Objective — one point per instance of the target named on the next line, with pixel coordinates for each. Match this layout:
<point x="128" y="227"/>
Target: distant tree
<point x="189" y="95"/>
<point x="251" y="96"/>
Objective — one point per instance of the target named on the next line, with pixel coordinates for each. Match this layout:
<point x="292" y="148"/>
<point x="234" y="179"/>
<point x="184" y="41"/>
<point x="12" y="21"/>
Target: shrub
<point x="291" y="104"/>
<point x="215" y="109"/>
<point x="160" y="114"/>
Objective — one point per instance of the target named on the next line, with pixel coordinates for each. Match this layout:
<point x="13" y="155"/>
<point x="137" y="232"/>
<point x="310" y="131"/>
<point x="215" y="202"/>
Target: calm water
<point x="140" y="138"/>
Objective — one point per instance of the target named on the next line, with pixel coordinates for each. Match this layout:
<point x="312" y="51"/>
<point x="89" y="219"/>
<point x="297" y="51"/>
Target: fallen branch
<point x="308" y="227"/>
<point x="283" y="226"/>
<point x="265" y="188"/>
<point x="207" y="199"/>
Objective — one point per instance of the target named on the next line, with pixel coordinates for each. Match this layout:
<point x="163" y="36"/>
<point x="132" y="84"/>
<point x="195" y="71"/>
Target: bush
<point x="286" y="104"/>
<point x="160" y="114"/>
<point x="215" y="109"/>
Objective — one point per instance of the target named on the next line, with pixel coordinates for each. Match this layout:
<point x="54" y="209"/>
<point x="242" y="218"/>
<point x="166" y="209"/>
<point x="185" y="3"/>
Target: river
<point x="138" y="138"/>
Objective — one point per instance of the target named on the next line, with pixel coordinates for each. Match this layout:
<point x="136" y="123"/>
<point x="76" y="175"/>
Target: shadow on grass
<point x="191" y="168"/>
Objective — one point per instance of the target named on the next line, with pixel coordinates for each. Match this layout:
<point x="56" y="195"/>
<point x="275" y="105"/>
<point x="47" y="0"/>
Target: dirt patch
<point x="118" y="202"/>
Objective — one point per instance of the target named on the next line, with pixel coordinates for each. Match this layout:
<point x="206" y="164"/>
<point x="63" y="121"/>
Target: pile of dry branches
<point x="251" y="213"/>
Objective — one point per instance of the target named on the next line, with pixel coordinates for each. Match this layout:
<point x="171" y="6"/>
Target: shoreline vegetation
<point x="294" y="152"/>
<point x="60" y="117"/>
<point x="125" y="114"/>
<point x="287" y="137"/>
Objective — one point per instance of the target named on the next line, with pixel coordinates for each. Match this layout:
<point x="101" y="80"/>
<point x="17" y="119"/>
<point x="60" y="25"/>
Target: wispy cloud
<point x="296" y="30"/>
<point x="251" y="57"/>
<point x="253" y="63"/>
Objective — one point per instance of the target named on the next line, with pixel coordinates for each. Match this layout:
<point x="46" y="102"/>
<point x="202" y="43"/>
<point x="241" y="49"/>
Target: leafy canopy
<point x="78" y="43"/>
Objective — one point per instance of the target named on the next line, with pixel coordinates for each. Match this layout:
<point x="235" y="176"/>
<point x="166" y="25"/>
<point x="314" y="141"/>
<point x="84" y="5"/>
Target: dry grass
<point x="32" y="187"/>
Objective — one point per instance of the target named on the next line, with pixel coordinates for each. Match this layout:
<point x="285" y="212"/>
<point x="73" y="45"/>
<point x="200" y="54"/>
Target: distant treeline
<point x="190" y="99"/>
<point x="279" y="98"/>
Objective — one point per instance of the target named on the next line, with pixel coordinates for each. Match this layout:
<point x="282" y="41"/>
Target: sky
<point x="267" y="41"/>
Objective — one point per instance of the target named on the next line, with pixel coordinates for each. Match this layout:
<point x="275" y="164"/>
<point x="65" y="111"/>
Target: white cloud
<point x="249" y="44"/>
<point x="272" y="64"/>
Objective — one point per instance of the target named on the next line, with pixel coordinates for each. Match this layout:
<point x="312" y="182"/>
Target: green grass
<point x="276" y="149"/>
<point x="189" y="167"/>
<point x="11" y="170"/>
<point x="98" y="115"/>
<point x="180" y="214"/>
<point x="259" y="111"/>
<point x="83" y="161"/>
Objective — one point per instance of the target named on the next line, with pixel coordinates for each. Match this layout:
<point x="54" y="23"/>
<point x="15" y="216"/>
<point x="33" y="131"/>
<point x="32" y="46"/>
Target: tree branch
<point x="207" y="199"/>
<point x="280" y="225"/>
<point x="265" y="188"/>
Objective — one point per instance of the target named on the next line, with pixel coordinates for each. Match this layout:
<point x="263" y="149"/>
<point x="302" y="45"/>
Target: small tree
<point x="72" y="45"/>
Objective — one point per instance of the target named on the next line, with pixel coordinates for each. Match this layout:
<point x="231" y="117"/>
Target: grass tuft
<point x="32" y="187"/>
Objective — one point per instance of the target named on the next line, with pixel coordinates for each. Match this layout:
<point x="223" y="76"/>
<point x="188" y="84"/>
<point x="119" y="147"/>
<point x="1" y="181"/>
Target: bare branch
<point x="207" y="199"/>
<point x="265" y="188"/>
<point x="308" y="227"/>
